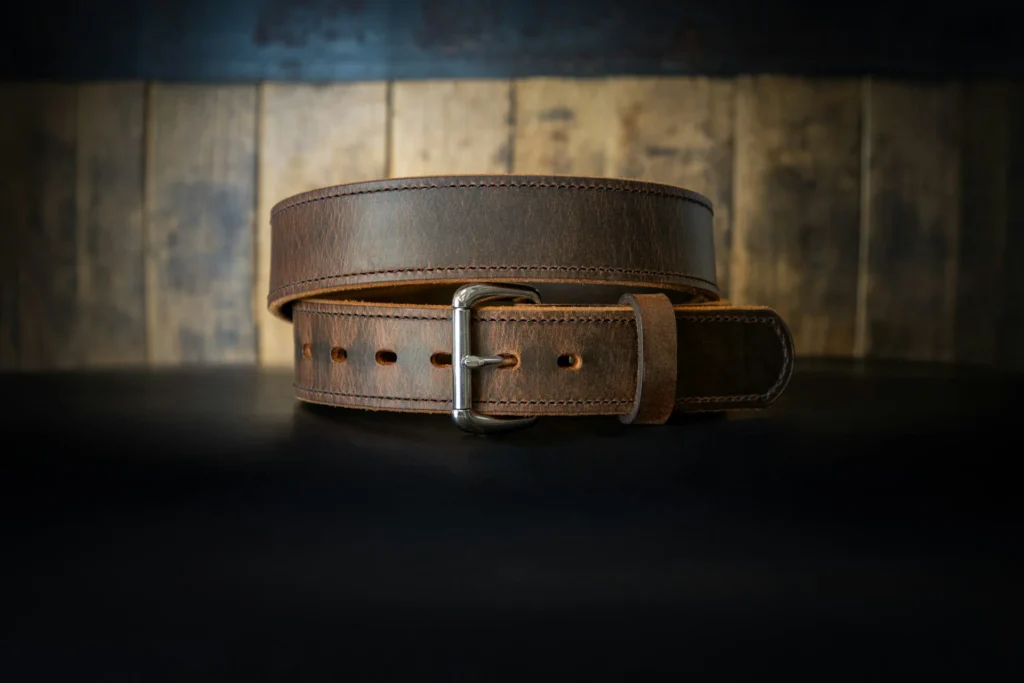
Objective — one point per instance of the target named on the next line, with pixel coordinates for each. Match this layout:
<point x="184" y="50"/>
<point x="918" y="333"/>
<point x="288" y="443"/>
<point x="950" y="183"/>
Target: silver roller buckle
<point x="463" y="362"/>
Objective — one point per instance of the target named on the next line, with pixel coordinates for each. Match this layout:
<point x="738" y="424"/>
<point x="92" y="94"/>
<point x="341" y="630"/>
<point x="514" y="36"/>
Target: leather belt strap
<point x="366" y="272"/>
<point x="577" y="238"/>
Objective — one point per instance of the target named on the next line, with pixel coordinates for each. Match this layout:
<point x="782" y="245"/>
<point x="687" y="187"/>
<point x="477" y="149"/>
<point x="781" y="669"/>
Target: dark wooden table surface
<point x="202" y="525"/>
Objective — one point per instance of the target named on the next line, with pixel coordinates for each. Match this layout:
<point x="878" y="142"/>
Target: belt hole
<point x="386" y="357"/>
<point x="338" y="354"/>
<point x="307" y="351"/>
<point x="441" y="360"/>
<point x="570" y="361"/>
<point x="511" y="361"/>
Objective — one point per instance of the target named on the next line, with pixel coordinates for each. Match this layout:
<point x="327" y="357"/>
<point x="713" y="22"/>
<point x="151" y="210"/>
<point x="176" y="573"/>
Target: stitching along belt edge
<point x="503" y="298"/>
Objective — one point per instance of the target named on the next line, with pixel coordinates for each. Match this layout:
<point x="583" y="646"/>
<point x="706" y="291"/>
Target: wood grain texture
<point x="677" y="131"/>
<point x="913" y="219"/>
<point x="199" y="206"/>
<point x="111" y="214"/>
<point x="111" y="314"/>
<point x="310" y="136"/>
<point x="563" y="126"/>
<point x="14" y="190"/>
<point x="39" y="155"/>
<point x="450" y="127"/>
<point x="983" y="220"/>
<point x="796" y="229"/>
<point x="1009" y="352"/>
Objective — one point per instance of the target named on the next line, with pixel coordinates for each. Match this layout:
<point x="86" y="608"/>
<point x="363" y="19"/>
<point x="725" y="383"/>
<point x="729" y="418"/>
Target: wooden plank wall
<point x="798" y="185"/>
<point x="200" y="206"/>
<point x="310" y="136"/>
<point x="879" y="217"/>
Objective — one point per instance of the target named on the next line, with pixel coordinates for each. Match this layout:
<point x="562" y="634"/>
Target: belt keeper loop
<point x="656" y="364"/>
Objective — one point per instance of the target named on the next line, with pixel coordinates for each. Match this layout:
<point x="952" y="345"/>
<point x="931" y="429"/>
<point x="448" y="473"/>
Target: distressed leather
<point x="366" y="273"/>
<point x="392" y="238"/>
<point x="654" y="319"/>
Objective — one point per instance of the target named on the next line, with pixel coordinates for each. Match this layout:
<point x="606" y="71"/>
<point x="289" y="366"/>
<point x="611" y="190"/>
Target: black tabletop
<point x="203" y="525"/>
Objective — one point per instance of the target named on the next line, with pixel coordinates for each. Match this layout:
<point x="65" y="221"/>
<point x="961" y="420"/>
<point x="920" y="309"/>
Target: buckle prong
<point x="464" y="362"/>
<point x="474" y="362"/>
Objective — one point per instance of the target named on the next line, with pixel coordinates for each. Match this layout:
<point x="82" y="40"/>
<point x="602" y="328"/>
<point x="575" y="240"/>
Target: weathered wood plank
<point x="679" y="131"/>
<point x="450" y="127"/>
<point x="199" y="205"/>
<point x="111" y="314"/>
<point x="796" y="229"/>
<point x="310" y="136"/>
<point x="14" y="192"/>
<point x="39" y="153"/>
<point x="913" y="217"/>
<point x="983" y="218"/>
<point x="563" y="126"/>
<point x="1009" y="352"/>
<point x="670" y="130"/>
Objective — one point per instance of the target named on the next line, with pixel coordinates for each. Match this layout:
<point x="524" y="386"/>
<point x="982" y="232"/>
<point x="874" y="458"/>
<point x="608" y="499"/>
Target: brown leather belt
<point x="399" y="290"/>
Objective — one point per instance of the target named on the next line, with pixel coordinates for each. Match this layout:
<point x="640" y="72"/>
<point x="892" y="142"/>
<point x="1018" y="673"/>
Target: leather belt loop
<point x="656" y="362"/>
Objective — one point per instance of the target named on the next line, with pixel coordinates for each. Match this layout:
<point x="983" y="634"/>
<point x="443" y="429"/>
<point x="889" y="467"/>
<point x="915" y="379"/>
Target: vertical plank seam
<point x="149" y="135"/>
<point x="80" y="257"/>
<point x="964" y="149"/>
<point x="254" y="256"/>
<point x="21" y="242"/>
<point x="144" y="220"/>
<point x="14" y="240"/>
<point x="77" y="354"/>
<point x="1006" y="354"/>
<point x="734" y="104"/>
<point x="952" y="275"/>
<point x="513" y="121"/>
<point x="860" y="340"/>
<point x="1003" y="218"/>
<point x="739" y="82"/>
<point x="389" y="127"/>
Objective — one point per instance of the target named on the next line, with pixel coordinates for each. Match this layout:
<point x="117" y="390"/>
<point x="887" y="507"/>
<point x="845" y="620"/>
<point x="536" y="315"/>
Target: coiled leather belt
<point x="503" y="298"/>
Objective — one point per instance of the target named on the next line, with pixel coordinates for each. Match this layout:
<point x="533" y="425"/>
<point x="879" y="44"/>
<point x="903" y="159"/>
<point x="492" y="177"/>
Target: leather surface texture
<point x="366" y="273"/>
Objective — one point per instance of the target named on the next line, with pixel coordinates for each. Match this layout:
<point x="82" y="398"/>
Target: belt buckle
<point x="464" y="362"/>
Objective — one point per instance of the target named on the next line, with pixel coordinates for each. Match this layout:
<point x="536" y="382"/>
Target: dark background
<point x="332" y="40"/>
<point x="201" y="523"/>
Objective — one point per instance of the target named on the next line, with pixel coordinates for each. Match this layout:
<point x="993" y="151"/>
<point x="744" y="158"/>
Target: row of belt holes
<point x="566" y="361"/>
